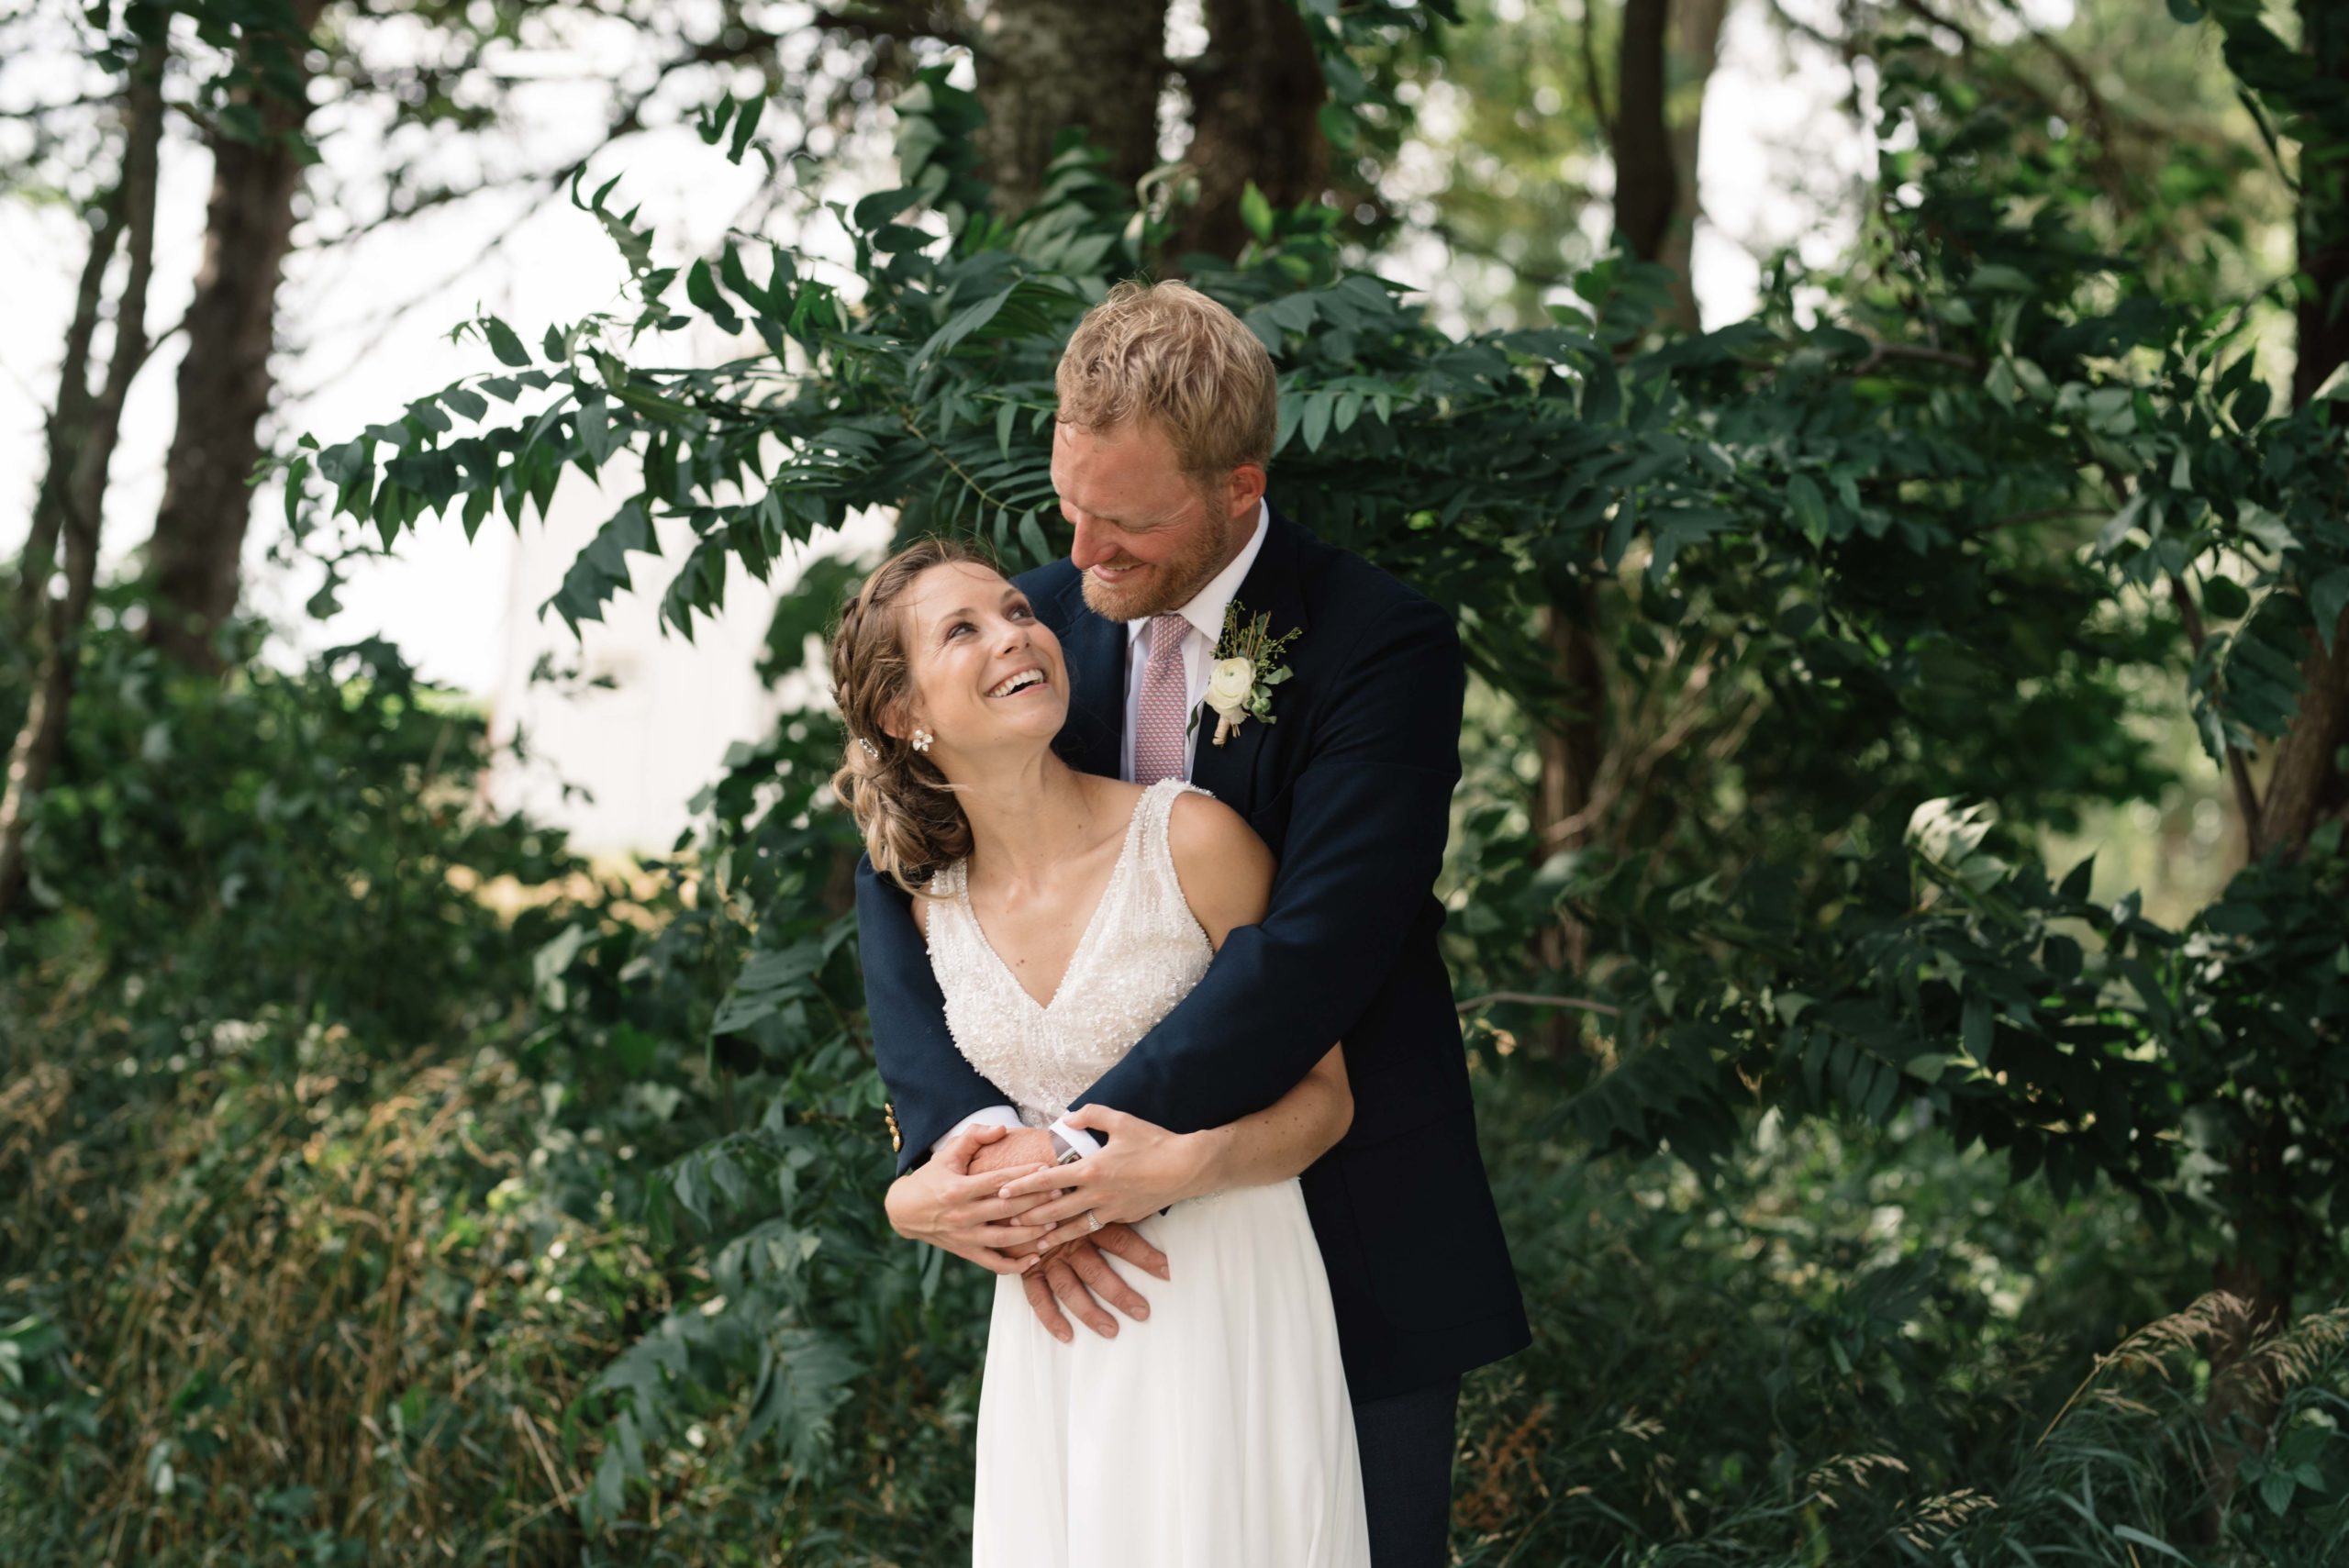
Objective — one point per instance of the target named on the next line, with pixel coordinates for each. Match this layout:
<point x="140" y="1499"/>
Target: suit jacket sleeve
<point x="931" y="1082"/>
<point x="1370" y="812"/>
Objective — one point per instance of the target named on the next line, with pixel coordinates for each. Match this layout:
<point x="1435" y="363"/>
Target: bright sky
<point x="1777" y="151"/>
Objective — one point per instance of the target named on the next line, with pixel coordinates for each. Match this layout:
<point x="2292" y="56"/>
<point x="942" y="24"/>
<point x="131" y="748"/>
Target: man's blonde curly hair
<point x="1166" y="354"/>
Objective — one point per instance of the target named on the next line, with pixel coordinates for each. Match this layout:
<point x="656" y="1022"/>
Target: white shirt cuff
<point x="993" y="1116"/>
<point x="1077" y="1138"/>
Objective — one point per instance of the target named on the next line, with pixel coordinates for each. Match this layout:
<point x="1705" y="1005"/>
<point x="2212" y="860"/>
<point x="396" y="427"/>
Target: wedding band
<point x="1093" y="1219"/>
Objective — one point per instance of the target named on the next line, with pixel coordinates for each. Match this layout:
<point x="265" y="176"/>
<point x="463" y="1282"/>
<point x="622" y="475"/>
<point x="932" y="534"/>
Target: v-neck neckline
<point x="1085" y="938"/>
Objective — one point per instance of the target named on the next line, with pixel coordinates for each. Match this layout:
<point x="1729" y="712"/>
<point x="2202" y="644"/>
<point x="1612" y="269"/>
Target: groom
<point x="1165" y="426"/>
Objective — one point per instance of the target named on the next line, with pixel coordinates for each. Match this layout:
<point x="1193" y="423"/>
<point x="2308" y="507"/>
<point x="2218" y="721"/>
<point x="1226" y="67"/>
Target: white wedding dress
<point x="1217" y="1433"/>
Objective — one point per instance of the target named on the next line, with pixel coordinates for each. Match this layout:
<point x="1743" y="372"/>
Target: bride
<point x="1064" y="914"/>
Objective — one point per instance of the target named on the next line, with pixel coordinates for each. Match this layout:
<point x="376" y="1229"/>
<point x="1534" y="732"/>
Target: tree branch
<point x="1534" y="999"/>
<point x="1879" y="352"/>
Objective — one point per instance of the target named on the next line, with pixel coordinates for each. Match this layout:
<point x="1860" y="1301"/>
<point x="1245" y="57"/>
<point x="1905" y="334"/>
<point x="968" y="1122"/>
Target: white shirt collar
<point x="1205" y="612"/>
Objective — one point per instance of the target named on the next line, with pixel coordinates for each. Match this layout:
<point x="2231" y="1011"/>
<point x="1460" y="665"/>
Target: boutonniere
<point x="1246" y="668"/>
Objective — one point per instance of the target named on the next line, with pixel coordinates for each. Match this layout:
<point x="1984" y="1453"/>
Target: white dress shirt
<point x="1205" y="612"/>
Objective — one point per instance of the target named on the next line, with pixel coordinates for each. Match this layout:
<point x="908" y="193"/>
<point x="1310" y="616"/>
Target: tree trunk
<point x="1256" y="97"/>
<point x="2323" y="324"/>
<point x="1696" y="40"/>
<point x="1046" y="64"/>
<point x="1646" y="190"/>
<point x="1570" y="741"/>
<point x="2262" y="1273"/>
<point x="87" y="452"/>
<point x="2306" y="789"/>
<point x="225" y="383"/>
<point x="1650" y="195"/>
<point x="68" y="425"/>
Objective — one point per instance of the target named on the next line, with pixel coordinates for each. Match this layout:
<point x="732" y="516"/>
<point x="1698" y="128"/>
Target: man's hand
<point x="946" y="1204"/>
<point x="1021" y="1146"/>
<point x="1077" y="1273"/>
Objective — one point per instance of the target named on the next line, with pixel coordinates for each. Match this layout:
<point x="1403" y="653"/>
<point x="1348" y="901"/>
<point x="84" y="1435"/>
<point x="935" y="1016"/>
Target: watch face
<point x="1071" y="1158"/>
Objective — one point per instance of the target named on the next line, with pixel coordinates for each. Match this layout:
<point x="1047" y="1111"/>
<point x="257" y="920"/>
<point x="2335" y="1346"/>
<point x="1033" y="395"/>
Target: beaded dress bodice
<point x="1140" y="954"/>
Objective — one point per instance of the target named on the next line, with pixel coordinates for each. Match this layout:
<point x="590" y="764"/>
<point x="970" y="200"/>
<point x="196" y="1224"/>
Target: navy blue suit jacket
<point x="1351" y="786"/>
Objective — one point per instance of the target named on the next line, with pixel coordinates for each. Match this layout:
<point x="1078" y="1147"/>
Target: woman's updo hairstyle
<point x="913" y="826"/>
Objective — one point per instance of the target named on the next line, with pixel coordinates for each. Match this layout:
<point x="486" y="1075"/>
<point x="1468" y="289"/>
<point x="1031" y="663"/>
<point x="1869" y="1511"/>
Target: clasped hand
<point x="955" y="1202"/>
<point x="952" y="1206"/>
<point x="1143" y="1169"/>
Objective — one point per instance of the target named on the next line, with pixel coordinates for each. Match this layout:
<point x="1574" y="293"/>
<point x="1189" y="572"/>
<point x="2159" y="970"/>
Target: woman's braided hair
<point x="913" y="826"/>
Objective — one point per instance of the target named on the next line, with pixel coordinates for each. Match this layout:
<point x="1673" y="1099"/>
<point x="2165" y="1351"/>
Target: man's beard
<point x="1161" y="587"/>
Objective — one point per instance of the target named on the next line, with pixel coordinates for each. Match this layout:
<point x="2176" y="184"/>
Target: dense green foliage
<point x="1914" y="533"/>
<point x="396" y="1185"/>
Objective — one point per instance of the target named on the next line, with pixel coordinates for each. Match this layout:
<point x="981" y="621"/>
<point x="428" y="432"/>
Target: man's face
<point x="1147" y="540"/>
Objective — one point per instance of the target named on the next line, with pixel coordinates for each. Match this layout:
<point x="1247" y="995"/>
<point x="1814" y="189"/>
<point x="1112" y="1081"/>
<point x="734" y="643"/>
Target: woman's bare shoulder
<point x="1225" y="869"/>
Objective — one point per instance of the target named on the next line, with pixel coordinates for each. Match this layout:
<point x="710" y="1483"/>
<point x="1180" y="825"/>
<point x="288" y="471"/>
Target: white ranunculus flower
<point x="1229" y="685"/>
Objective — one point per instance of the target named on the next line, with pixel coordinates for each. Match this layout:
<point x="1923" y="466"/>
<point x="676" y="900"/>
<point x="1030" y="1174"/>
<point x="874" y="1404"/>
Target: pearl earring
<point x="922" y="739"/>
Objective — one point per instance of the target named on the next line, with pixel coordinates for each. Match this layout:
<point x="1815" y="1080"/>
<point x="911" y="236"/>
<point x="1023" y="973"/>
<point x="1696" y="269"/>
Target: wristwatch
<point x="1063" y="1152"/>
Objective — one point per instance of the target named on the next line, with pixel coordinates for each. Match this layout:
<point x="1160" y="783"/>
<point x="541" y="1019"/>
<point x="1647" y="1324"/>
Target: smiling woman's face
<point x="987" y="676"/>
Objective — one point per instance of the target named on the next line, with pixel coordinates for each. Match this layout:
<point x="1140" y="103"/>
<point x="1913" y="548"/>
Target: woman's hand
<point x="943" y="1203"/>
<point x="1143" y="1169"/>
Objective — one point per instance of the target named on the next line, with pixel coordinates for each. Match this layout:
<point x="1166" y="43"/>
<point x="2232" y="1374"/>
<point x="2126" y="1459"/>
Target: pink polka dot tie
<point x="1161" y="715"/>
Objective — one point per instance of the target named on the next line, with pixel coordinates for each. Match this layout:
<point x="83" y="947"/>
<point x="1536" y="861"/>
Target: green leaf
<point x="711" y="123"/>
<point x="737" y="278"/>
<point x="2001" y="383"/>
<point x="702" y="288"/>
<point x="2225" y="597"/>
<point x="503" y="343"/>
<point x="1256" y="212"/>
<point x="2328" y="596"/>
<point x="1291" y="409"/>
<point x="963" y="323"/>
<point x="1976" y="1030"/>
<point x="2109" y="538"/>
<point x="746" y="120"/>
<point x="297" y="472"/>
<point x="595" y="434"/>
<point x="476" y="508"/>
<point x="1339" y="125"/>
<point x="804" y="1376"/>
<point x="1317" y="420"/>
<point x="2141" y="1539"/>
<point x="2264" y="525"/>
<point x="874" y="211"/>
<point x="1033" y="540"/>
<point x="1809" y="507"/>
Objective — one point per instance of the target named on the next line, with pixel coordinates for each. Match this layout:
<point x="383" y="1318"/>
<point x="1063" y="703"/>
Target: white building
<point x="617" y="767"/>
